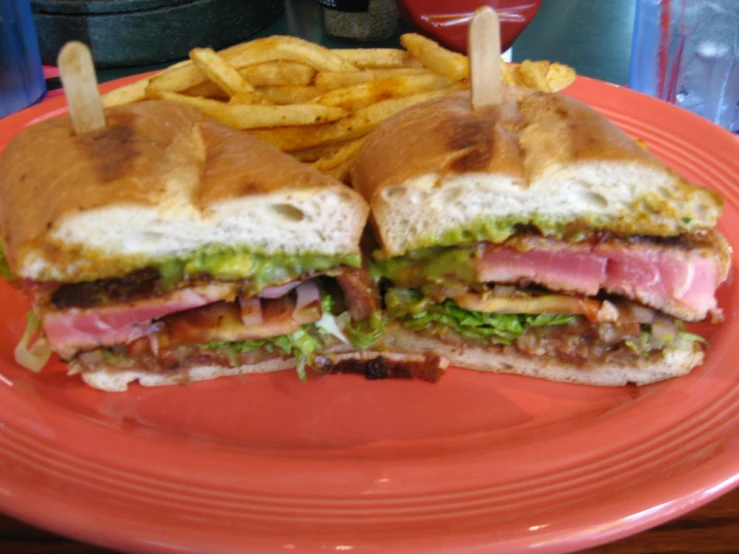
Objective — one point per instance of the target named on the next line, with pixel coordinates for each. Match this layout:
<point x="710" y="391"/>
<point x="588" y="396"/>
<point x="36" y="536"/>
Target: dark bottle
<point x="360" y="20"/>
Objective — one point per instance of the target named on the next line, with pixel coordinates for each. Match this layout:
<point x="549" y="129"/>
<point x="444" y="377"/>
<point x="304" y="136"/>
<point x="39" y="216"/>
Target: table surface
<point x="595" y="38"/>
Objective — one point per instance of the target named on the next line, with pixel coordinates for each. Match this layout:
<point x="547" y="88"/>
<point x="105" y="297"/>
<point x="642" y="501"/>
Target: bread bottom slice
<point x="117" y="380"/>
<point x="341" y="359"/>
<point x="673" y="361"/>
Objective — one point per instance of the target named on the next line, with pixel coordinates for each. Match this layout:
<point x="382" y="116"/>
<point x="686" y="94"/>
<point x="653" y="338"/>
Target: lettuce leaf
<point x="32" y="354"/>
<point x="686" y="336"/>
<point x="419" y="313"/>
<point x="5" y="272"/>
<point x="364" y="334"/>
<point x="301" y="344"/>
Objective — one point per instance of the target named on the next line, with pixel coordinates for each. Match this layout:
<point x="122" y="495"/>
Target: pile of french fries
<point x="316" y="103"/>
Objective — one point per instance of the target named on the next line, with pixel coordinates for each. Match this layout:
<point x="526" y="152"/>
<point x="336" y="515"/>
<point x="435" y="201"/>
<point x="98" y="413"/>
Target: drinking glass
<point x="686" y="52"/>
<point x="21" y="75"/>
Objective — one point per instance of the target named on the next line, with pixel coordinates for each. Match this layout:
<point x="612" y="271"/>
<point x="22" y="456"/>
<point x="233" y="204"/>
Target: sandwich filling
<point x="603" y="299"/>
<point x="170" y="318"/>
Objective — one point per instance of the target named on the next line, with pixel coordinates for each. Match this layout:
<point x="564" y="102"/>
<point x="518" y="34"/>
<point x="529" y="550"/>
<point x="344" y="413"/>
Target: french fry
<point x="353" y="126"/>
<point x="208" y="89"/>
<point x="560" y="76"/>
<point x="249" y="97"/>
<point x="290" y="94"/>
<point x="364" y="94"/>
<point x="215" y="68"/>
<point x="509" y="75"/>
<point x="378" y="58"/>
<point x="341" y="171"/>
<point x="314" y="153"/>
<point x="344" y="153"/>
<point x="287" y="48"/>
<point x="127" y="94"/>
<point x="534" y="75"/>
<point x="275" y="48"/>
<point x="175" y="79"/>
<point x="250" y="116"/>
<point x="206" y="105"/>
<point x="437" y="58"/>
<point x="278" y="73"/>
<point x="329" y="80"/>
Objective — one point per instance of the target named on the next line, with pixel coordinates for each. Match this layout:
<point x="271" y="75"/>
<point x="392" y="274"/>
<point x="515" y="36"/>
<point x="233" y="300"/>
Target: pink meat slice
<point x="677" y="279"/>
<point x="76" y="328"/>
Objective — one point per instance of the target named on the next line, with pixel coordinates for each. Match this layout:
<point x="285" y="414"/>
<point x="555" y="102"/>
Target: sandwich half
<point x="169" y="248"/>
<point x="537" y="238"/>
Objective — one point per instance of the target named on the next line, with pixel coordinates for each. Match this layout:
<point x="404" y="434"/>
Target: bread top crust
<point x="161" y="160"/>
<point x="540" y="159"/>
<point x="48" y="173"/>
<point x="444" y="135"/>
<point x="239" y="165"/>
<point x="523" y="137"/>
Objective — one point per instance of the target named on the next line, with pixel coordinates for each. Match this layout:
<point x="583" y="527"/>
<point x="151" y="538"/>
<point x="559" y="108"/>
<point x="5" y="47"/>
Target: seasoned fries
<point x="316" y="103"/>
<point x="354" y="125"/>
<point x="249" y="116"/>
<point x="437" y="58"/>
<point x="341" y="79"/>
<point x="215" y="68"/>
<point x="127" y="94"/>
<point x="342" y="154"/>
<point x="278" y="73"/>
<point x="534" y="75"/>
<point x="290" y="94"/>
<point x="359" y="96"/>
<point x="378" y="58"/>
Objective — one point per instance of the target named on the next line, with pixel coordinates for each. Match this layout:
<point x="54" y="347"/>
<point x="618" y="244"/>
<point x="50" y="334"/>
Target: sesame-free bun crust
<point x="439" y="171"/>
<point x="161" y="180"/>
<point x="673" y="361"/>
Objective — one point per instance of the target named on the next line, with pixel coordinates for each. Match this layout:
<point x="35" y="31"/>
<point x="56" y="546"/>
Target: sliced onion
<point x="642" y="314"/>
<point x="308" y="294"/>
<point x="664" y="330"/>
<point x="278" y="291"/>
<point x="35" y="357"/>
<point x="251" y="310"/>
<point x="503" y="290"/>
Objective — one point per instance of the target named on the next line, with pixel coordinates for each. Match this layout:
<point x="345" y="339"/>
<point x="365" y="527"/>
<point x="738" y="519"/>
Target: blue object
<point x="686" y="52"/>
<point x="21" y="75"/>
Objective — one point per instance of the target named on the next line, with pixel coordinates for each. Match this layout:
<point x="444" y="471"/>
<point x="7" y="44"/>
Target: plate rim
<point x="581" y="537"/>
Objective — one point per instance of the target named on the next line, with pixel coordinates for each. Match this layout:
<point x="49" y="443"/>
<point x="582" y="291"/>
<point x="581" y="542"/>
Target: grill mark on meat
<point x="430" y="368"/>
<point x="138" y="284"/>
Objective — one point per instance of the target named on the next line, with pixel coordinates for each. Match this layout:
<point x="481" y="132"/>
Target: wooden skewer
<point x="484" y="51"/>
<point x="81" y="88"/>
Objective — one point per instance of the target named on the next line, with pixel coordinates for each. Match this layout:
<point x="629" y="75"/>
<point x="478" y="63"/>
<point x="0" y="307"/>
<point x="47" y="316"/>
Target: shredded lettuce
<point x="307" y="340"/>
<point x="364" y="334"/>
<point x="301" y="344"/>
<point x="648" y="342"/>
<point x="5" y="272"/>
<point x="642" y="344"/>
<point x="33" y="357"/>
<point x="419" y="313"/>
<point x="682" y="334"/>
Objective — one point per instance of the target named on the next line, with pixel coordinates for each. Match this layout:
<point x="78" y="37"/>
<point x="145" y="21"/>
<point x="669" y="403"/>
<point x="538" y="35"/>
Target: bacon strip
<point x="362" y="298"/>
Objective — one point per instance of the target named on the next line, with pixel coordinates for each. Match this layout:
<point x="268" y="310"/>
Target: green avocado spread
<point x="218" y="262"/>
<point x="437" y="265"/>
<point x="240" y="263"/>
